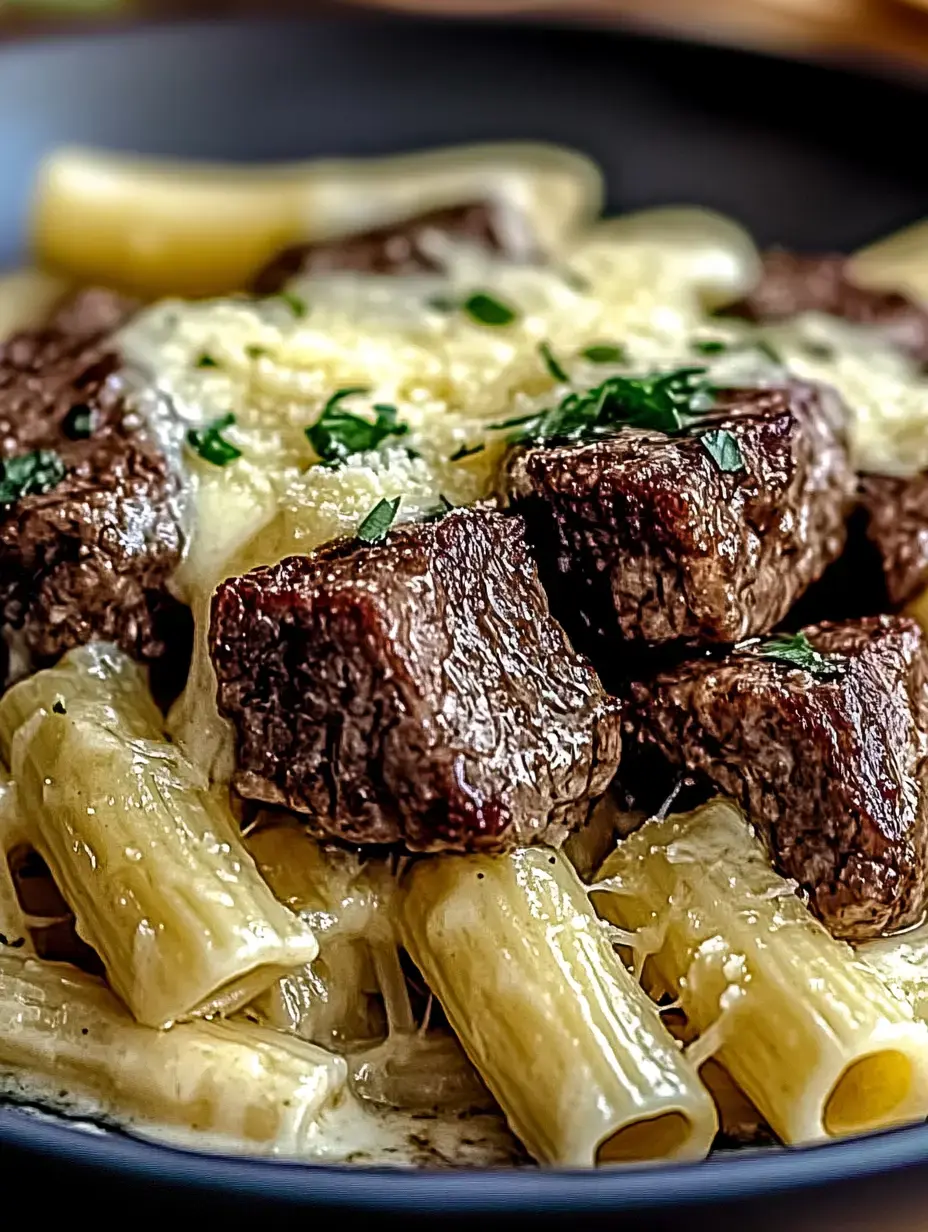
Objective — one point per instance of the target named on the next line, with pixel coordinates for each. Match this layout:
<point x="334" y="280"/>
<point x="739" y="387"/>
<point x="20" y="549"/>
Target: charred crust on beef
<point x="401" y="249"/>
<point x="833" y="770"/>
<point x="413" y="692"/>
<point x="90" y="557"/>
<point x="644" y="537"/>
<point x="792" y="283"/>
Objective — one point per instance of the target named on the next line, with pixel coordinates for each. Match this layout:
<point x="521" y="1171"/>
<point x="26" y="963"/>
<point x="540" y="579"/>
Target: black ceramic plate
<point x="805" y="155"/>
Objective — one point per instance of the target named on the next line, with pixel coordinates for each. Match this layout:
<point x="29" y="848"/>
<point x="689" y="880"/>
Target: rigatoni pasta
<point x="147" y="858"/>
<point x="805" y="1028"/>
<point x="65" y="1028"/>
<point x="560" y="1032"/>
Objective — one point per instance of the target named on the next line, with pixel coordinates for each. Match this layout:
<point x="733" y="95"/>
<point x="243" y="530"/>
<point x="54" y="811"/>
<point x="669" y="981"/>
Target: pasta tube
<point x="14" y="929"/>
<point x="806" y="1030"/>
<point x="713" y="253"/>
<point x="95" y="673"/>
<point x="66" y="1029"/>
<point x="898" y="262"/>
<point x="564" y="1037"/>
<point x="160" y="228"/>
<point x="149" y="861"/>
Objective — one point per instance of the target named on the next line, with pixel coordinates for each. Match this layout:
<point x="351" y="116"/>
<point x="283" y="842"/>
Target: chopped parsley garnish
<point x="77" y="425"/>
<point x="487" y="310"/>
<point x="795" y="650"/>
<point x="297" y="306"/>
<point x="375" y="526"/>
<point x="207" y="361"/>
<point x="723" y="448"/>
<point x="338" y="434"/>
<point x="254" y="351"/>
<point x="551" y="363"/>
<point x="709" y="346"/>
<point x="466" y="451"/>
<point x="211" y="445"/>
<point x="604" y="354"/>
<point x="29" y="474"/>
<point x="663" y="400"/>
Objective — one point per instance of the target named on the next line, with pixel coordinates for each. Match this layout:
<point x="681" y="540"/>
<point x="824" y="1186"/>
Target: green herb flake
<point x="466" y="451"/>
<point x="211" y="445"/>
<point x="795" y="650"/>
<point x="709" y="346"/>
<point x="207" y="361"/>
<point x="77" y="425"/>
<point x="29" y="474"/>
<point x="487" y="310"/>
<point x="551" y="363"/>
<point x="723" y="448"/>
<point x="375" y="526"/>
<point x="297" y="306"/>
<point x="605" y="355"/>
<point x="337" y="434"/>
<point x="254" y="351"/>
<point x="665" y="401"/>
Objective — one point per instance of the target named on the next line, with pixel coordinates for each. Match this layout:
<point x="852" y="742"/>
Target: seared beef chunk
<point x="402" y="249"/>
<point x="791" y="284"/>
<point x="416" y="691"/>
<point x="647" y="536"/>
<point x="830" y="762"/>
<point x="92" y="312"/>
<point x="85" y="552"/>
<point x="885" y="563"/>
<point x="895" y="522"/>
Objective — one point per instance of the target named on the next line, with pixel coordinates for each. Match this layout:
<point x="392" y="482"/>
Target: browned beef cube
<point x="402" y="249"/>
<point x="791" y="284"/>
<point x="830" y="762"/>
<point x="645" y="536"/>
<point x="895" y="522"/>
<point x="415" y="691"/>
<point x="88" y="545"/>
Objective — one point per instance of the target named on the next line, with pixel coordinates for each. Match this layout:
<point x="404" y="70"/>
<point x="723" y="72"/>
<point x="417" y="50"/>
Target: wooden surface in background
<point x="893" y="30"/>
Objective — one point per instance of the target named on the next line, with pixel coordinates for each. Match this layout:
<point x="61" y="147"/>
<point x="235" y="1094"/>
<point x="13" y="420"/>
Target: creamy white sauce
<point x="351" y="1132"/>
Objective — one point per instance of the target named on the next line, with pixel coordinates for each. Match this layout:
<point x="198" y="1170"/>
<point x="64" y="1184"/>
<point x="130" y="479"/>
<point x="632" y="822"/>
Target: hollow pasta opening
<point x="868" y="1093"/>
<point x="659" y="1137"/>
